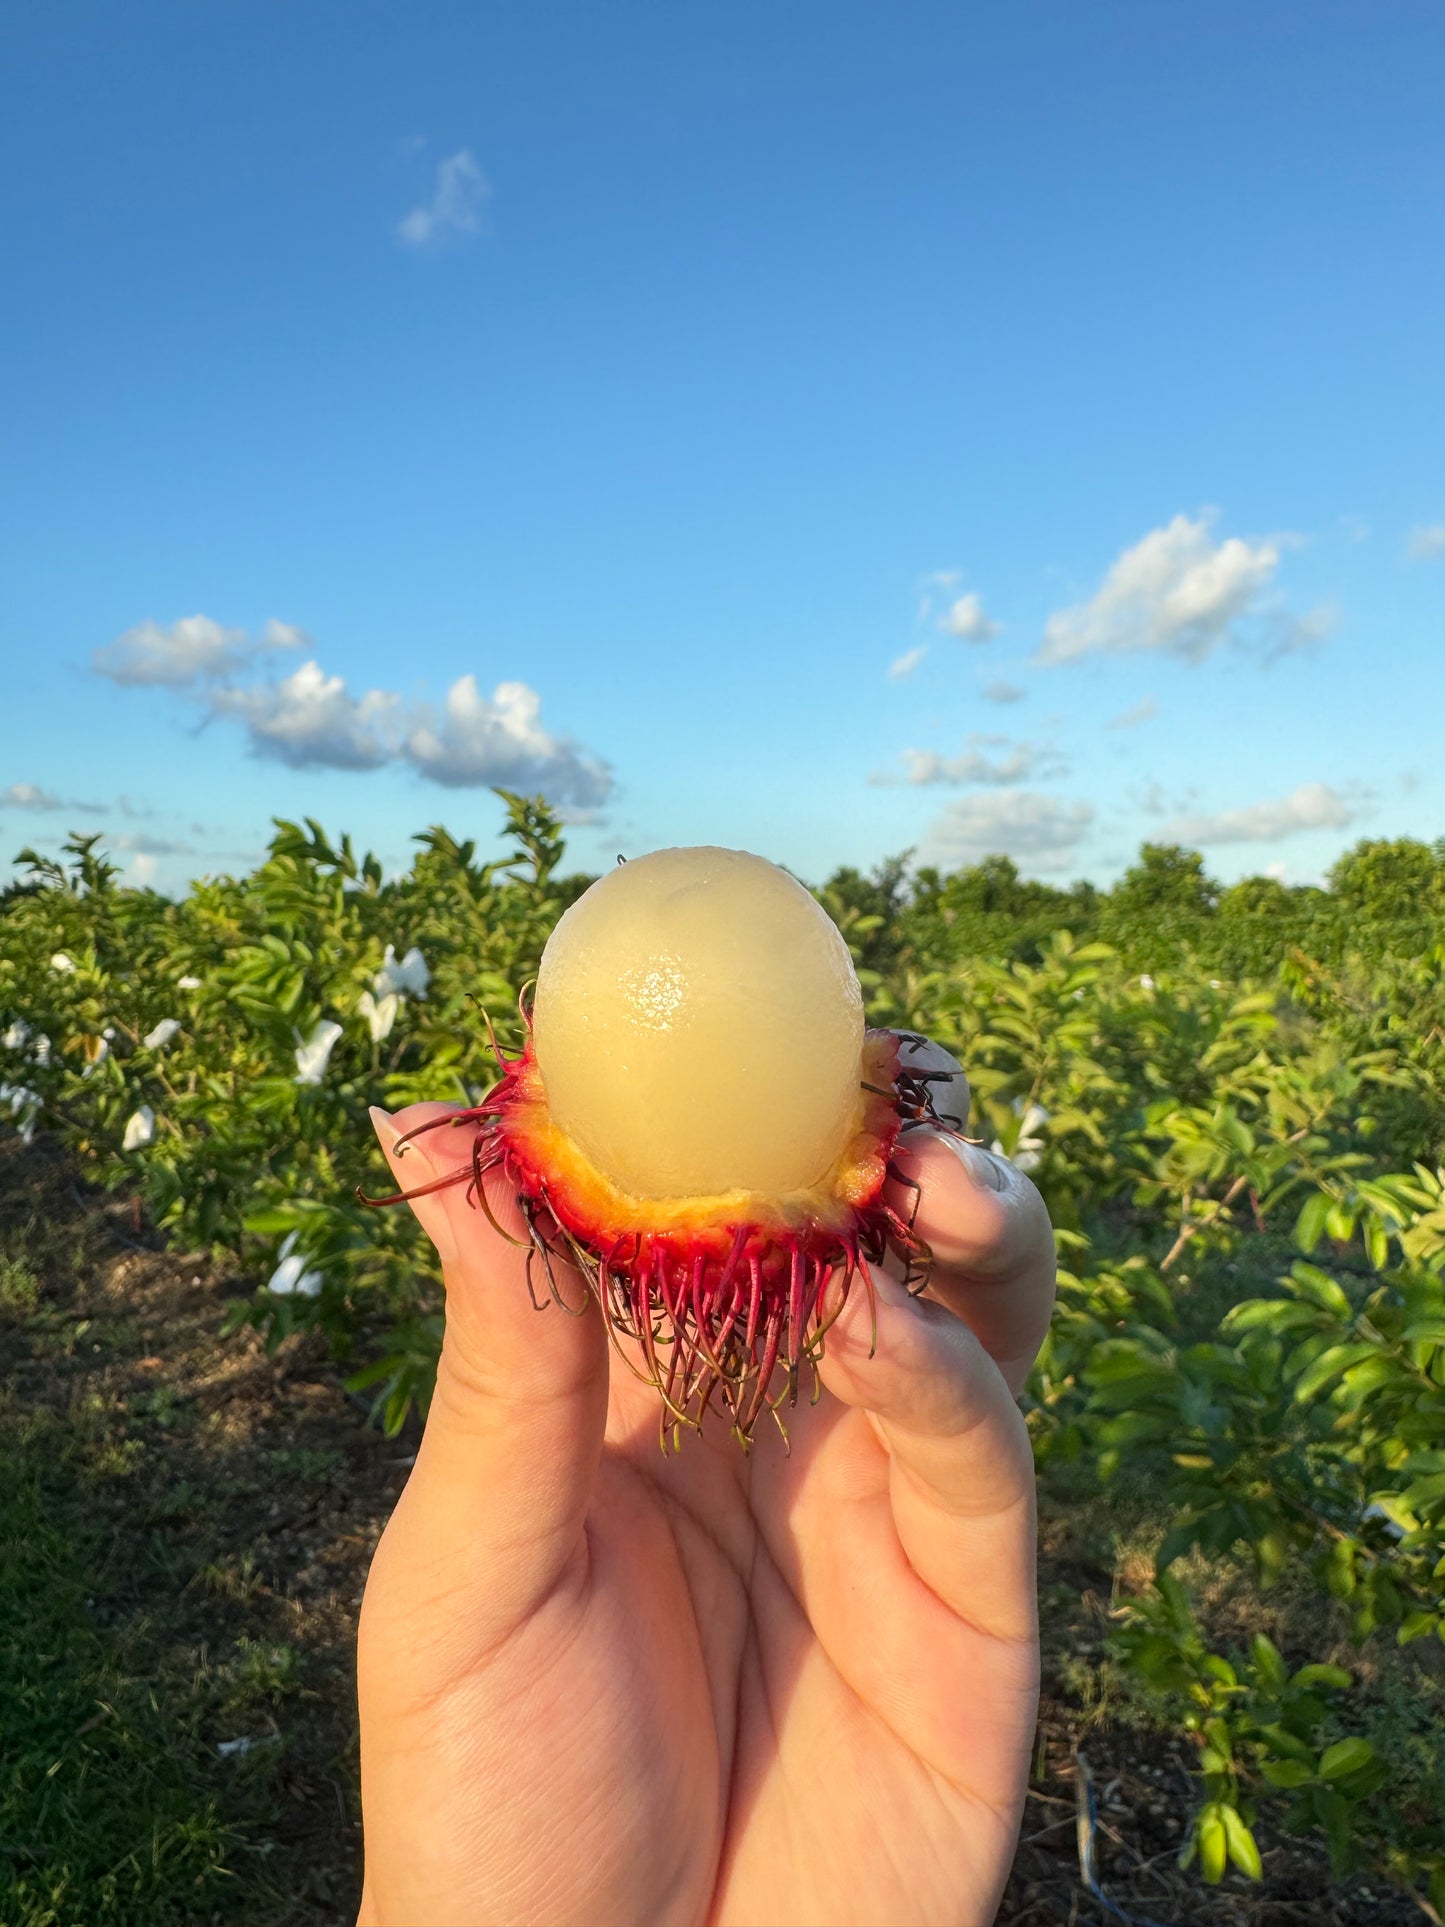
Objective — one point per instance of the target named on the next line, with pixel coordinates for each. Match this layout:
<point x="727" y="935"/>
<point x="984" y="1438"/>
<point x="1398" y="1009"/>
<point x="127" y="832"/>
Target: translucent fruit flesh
<point x="699" y="1028"/>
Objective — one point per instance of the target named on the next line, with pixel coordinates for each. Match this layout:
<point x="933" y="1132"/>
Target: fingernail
<point x="982" y="1166"/>
<point x="387" y="1135"/>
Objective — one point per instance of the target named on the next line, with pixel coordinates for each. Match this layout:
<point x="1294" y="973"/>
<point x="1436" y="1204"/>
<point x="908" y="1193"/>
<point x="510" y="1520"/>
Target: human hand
<point x="602" y="1683"/>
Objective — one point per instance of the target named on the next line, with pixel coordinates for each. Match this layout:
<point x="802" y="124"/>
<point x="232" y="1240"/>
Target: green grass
<point x="115" y="1807"/>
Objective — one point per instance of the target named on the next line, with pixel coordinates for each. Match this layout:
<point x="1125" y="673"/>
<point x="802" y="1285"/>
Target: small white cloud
<point x="965" y="618"/>
<point x="143" y="870"/>
<point x="1003" y="692"/>
<point x="311" y="720"/>
<point x="1427" y="541"/>
<point x="1019" y="763"/>
<point x="1313" y="806"/>
<point x="907" y="662"/>
<point x="498" y="741"/>
<point x="30" y="796"/>
<point x="455" y="207"/>
<point x="1144" y="711"/>
<point x="142" y="845"/>
<point x="1039" y="829"/>
<point x="195" y="649"/>
<point x="1177" y="592"/>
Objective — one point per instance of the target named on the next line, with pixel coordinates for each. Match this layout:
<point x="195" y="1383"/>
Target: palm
<point x="602" y="1682"/>
<point x="744" y="1705"/>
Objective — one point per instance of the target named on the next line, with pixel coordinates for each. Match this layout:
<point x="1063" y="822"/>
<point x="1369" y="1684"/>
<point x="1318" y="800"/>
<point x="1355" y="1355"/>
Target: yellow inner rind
<point x="593" y="1207"/>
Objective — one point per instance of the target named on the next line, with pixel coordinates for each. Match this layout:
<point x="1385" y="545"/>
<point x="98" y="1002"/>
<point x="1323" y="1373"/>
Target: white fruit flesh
<point x="699" y="1027"/>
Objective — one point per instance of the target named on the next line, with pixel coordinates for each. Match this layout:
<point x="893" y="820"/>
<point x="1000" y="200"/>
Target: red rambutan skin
<point x="720" y="1296"/>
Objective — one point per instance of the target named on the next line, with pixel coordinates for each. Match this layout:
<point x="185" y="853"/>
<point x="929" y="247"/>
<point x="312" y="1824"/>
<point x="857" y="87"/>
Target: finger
<point x="961" y="1480"/>
<point x="993" y="1250"/>
<point x="491" y="1521"/>
<point x="947" y="1081"/>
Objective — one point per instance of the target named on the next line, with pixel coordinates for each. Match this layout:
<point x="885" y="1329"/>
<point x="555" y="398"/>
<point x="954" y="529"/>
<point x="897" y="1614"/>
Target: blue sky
<point x="821" y="429"/>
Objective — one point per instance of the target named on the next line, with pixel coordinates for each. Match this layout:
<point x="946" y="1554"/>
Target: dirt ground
<point x="238" y="1497"/>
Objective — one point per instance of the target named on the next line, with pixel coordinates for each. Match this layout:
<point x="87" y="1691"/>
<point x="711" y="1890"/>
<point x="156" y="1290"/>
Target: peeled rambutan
<point x="702" y="1124"/>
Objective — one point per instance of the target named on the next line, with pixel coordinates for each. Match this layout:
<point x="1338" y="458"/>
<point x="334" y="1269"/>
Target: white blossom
<point x="164" y="1031"/>
<point x="292" y="1278"/>
<point x="15" y="1038"/>
<point x="1392" y="1526"/>
<point x="140" y="1129"/>
<point x="188" y="983"/>
<point x="312" y="1055"/>
<point x="1215" y="984"/>
<point x="380" y="1014"/>
<point x="41" y="1052"/>
<point x="24" y="1108"/>
<point x="61" y="963"/>
<point x="1028" y="1150"/>
<point x="411" y="974"/>
<point x="1146" y="983"/>
<point x="102" y="1051"/>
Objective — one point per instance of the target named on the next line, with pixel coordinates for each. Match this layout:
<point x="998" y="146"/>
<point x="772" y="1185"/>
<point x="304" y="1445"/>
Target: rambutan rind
<point x="717" y="1293"/>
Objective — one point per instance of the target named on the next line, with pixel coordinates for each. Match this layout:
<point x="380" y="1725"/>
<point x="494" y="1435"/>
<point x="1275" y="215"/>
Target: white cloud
<point x="455" y="206"/>
<point x="1041" y="830"/>
<point x="30" y="796"/>
<point x="1427" y="541"/>
<point x="311" y="720"/>
<point x="195" y="649"/>
<point x="1144" y="711"/>
<point x="1179" y="592"/>
<point x="908" y="662"/>
<point x="149" y="846"/>
<point x="965" y="618"/>
<point x="1003" y="692"/>
<point x="1021" y="762"/>
<point x="499" y="741"/>
<point x="143" y="870"/>
<point x="1313" y="806"/>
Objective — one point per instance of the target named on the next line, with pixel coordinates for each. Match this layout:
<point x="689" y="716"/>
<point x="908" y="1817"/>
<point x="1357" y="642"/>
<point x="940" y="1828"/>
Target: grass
<point x="184" y="1529"/>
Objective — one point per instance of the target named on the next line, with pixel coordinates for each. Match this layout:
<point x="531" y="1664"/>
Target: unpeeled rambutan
<point x="702" y="1124"/>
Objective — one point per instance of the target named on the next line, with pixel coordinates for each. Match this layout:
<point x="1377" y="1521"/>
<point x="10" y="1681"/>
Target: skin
<point x="599" y="1683"/>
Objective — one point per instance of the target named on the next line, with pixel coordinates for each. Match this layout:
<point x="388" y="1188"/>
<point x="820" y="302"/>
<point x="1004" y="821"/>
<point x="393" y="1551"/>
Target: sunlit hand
<point x="603" y="1684"/>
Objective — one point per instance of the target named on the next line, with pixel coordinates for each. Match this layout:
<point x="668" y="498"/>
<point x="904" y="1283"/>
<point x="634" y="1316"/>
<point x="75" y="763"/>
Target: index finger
<point x="992" y="1243"/>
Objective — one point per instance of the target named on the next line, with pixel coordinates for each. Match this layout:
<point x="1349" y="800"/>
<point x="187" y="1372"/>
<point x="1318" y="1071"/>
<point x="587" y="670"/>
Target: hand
<point x="599" y="1683"/>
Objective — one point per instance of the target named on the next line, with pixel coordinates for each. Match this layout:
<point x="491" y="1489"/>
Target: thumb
<point x="491" y="1521"/>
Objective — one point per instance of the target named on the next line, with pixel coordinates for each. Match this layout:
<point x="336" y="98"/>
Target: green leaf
<point x="1321" y="1675"/>
<point x="1242" y="1849"/>
<point x="1213" y="1842"/>
<point x="1345" y="1757"/>
<point x="1310" y="1224"/>
<point x="1286" y="1773"/>
<point x="1330" y="1364"/>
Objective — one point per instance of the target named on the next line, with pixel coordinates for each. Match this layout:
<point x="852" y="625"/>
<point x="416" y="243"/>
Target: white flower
<point x="164" y="1031"/>
<point x="140" y="1129"/>
<point x="380" y="1015"/>
<point x="1028" y="1150"/>
<point x="102" y="1051"/>
<point x="410" y="974"/>
<point x="61" y="963"/>
<point x="1215" y="984"/>
<point x="291" y="1278"/>
<point x="312" y="1055"/>
<point x="1392" y="1526"/>
<point x="1146" y="983"/>
<point x="41" y="1052"/>
<point x="15" y="1037"/>
<point x="188" y="983"/>
<point x="24" y="1108"/>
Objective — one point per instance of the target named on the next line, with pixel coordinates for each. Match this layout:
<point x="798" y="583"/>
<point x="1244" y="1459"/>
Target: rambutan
<point x="701" y="1124"/>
